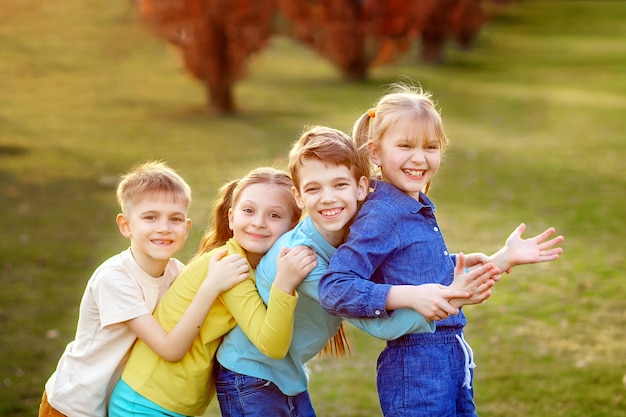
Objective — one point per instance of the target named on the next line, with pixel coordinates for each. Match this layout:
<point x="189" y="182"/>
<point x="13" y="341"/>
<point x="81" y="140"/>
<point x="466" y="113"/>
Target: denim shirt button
<point x="377" y="312"/>
<point x="436" y="229"/>
<point x="445" y="252"/>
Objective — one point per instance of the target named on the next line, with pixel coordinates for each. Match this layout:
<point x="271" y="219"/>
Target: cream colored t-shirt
<point x="119" y="290"/>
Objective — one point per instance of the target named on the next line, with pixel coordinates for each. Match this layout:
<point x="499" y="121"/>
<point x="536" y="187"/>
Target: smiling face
<point x="407" y="160"/>
<point x="157" y="227"/>
<point x="329" y="193"/>
<point x="259" y="217"/>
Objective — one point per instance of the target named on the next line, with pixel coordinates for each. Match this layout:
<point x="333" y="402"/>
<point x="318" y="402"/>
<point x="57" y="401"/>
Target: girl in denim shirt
<point x="395" y="245"/>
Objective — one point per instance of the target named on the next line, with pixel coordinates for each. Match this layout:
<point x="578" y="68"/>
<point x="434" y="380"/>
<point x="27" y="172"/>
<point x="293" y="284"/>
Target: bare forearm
<point x="501" y="259"/>
<point x="399" y="296"/>
<point x="173" y="345"/>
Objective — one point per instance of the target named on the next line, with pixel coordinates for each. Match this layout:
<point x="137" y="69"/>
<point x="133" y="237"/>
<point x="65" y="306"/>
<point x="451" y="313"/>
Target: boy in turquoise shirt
<point x="330" y="182"/>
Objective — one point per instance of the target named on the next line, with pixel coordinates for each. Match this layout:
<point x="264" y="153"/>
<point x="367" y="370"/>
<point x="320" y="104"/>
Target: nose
<point x="328" y="195"/>
<point x="164" y="225"/>
<point x="418" y="155"/>
<point x="259" y="220"/>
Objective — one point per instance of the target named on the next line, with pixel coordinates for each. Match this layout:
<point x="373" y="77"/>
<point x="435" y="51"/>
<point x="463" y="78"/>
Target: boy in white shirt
<point x="122" y="293"/>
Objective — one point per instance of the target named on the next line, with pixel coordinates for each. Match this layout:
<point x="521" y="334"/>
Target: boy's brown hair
<point x="327" y="145"/>
<point x="151" y="179"/>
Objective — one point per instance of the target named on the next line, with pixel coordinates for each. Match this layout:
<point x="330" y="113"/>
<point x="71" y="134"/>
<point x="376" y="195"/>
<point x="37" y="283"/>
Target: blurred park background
<point x="533" y="99"/>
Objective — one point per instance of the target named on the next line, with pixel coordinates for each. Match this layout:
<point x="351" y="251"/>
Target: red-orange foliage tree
<point x="359" y="34"/>
<point x="215" y="38"/>
<point x="459" y="20"/>
<point x="337" y="29"/>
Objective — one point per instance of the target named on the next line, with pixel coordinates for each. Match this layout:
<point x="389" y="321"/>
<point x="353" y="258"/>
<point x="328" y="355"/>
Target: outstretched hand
<point x="532" y="250"/>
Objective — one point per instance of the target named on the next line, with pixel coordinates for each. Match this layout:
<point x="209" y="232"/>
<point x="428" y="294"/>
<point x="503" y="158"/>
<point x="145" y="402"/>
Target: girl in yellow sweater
<point x="251" y="214"/>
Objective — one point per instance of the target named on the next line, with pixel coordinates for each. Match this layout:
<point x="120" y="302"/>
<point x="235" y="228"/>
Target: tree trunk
<point x="217" y="74"/>
<point x="436" y="31"/>
<point x="220" y="98"/>
<point x="357" y="70"/>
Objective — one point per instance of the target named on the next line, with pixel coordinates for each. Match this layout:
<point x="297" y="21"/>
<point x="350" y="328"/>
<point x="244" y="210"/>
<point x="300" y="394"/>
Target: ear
<point x="123" y="225"/>
<point x="230" y="218"/>
<point x="188" y="227"/>
<point x="298" y="197"/>
<point x="363" y="188"/>
<point x="374" y="153"/>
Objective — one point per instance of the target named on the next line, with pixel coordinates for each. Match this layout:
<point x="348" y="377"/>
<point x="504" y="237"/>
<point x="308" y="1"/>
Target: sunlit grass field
<point x="536" y="115"/>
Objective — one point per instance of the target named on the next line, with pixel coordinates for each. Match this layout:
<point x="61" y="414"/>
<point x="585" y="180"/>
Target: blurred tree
<point x="359" y="34"/>
<point x="458" y="20"/>
<point x="336" y="29"/>
<point x="215" y="39"/>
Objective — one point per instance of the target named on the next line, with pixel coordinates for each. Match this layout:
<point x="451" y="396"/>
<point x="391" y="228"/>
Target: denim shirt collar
<point x="401" y="198"/>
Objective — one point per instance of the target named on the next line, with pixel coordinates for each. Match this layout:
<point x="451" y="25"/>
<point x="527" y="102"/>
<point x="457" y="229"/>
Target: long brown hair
<point x="218" y="231"/>
<point x="339" y="345"/>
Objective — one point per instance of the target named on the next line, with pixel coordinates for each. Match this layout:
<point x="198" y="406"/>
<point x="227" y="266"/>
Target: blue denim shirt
<point x="395" y="240"/>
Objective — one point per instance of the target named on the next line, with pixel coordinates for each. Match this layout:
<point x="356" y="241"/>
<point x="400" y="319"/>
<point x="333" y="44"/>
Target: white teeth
<point x="414" y="173"/>
<point x="332" y="212"/>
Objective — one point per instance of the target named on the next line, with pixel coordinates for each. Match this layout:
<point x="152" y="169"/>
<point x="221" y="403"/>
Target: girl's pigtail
<point x="338" y="345"/>
<point x="427" y="187"/>
<point x="218" y="233"/>
<point x="361" y="132"/>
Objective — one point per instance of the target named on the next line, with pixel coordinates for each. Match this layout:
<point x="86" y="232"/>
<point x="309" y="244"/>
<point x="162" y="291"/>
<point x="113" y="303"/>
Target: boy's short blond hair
<point x="327" y="145"/>
<point x="151" y="179"/>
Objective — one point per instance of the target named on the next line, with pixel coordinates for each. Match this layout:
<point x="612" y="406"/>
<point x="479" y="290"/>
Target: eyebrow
<point x="304" y="184"/>
<point x="175" y="213"/>
<point x="256" y="204"/>
<point x="334" y="179"/>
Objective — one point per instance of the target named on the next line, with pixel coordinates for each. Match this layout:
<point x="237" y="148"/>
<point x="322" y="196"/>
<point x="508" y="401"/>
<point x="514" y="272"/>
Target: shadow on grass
<point x="55" y="235"/>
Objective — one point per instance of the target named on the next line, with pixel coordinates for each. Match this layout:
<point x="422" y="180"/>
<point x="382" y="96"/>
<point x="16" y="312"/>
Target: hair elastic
<point x="371" y="113"/>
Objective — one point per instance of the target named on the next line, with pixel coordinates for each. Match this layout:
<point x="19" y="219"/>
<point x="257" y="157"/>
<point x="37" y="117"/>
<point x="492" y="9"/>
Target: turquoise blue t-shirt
<point x="313" y="326"/>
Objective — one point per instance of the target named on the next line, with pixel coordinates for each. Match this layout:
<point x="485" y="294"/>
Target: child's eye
<point x="178" y="219"/>
<point x="276" y="216"/>
<point x="247" y="210"/>
<point x="150" y="217"/>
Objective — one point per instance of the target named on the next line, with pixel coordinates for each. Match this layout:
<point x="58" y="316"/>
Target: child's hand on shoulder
<point x="225" y="271"/>
<point x="292" y="266"/>
<point x="477" y="281"/>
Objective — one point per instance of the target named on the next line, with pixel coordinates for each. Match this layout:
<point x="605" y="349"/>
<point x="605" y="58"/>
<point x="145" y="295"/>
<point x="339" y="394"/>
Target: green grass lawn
<point x="536" y="117"/>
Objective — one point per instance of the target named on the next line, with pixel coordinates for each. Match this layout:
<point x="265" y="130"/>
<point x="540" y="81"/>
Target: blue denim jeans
<point x="246" y="396"/>
<point x="427" y="375"/>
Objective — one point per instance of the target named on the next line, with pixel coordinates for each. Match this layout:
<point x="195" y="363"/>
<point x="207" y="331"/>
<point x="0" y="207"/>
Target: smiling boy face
<point x="330" y="195"/>
<point x="157" y="226"/>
